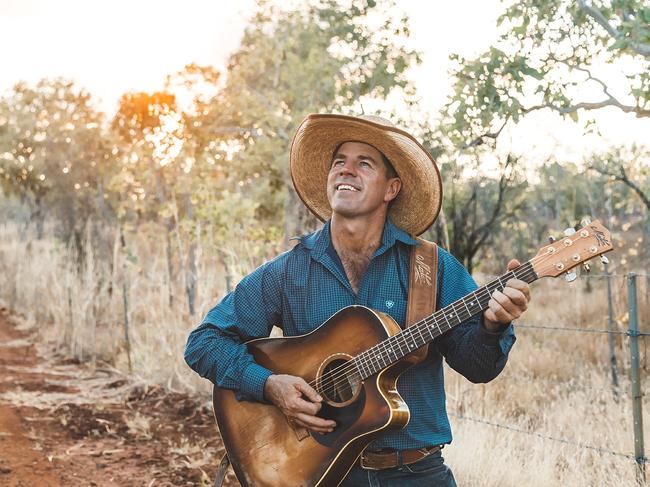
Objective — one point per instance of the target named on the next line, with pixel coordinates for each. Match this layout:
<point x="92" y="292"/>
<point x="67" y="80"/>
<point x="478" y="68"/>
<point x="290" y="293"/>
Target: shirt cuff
<point x="253" y="380"/>
<point x="504" y="338"/>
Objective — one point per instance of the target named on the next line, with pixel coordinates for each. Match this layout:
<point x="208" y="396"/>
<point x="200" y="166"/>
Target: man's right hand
<point x="298" y="401"/>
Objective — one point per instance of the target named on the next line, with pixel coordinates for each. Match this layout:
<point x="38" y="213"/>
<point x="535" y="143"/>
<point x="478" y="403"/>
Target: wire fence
<point x="633" y="334"/>
<point x="544" y="437"/>
<point x="583" y="330"/>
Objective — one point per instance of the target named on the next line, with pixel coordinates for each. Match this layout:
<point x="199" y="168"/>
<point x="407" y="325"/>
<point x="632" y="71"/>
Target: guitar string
<point x="366" y="358"/>
<point x="344" y="369"/>
<point x="458" y="312"/>
<point x="372" y="356"/>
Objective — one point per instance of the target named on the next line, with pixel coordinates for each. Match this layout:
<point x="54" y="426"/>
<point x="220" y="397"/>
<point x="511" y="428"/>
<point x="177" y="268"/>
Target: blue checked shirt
<point x="300" y="289"/>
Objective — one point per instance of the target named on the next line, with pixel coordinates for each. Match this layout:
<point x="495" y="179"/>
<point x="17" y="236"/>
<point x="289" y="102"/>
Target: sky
<point x="111" y="47"/>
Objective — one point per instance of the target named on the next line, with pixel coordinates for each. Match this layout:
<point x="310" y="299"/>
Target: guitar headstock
<point x="564" y="254"/>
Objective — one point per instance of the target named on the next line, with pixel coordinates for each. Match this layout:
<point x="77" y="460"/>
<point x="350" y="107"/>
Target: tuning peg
<point x="586" y="267"/>
<point x="569" y="231"/>
<point x="585" y="221"/>
<point x="604" y="259"/>
<point x="551" y="239"/>
<point x="570" y="276"/>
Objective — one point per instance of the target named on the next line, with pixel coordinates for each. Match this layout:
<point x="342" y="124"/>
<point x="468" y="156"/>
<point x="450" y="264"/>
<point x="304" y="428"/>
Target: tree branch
<point x="611" y="100"/>
<point x="640" y="48"/>
<point x="640" y="112"/>
<point x="622" y="177"/>
<point x="490" y="135"/>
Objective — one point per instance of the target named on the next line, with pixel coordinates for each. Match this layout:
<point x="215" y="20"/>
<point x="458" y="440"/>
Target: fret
<point x="501" y="285"/>
<point x="445" y="315"/>
<point x="369" y="365"/>
<point x="370" y="362"/>
<point x="428" y="328"/>
<point x="435" y="322"/>
<point x="469" y="313"/>
<point x="390" y="350"/>
<point x="373" y="366"/>
<point x="382" y="357"/>
<point x="454" y="314"/>
<point x="400" y="341"/>
<point x="421" y="336"/>
<point x="473" y="302"/>
<point x="379" y="356"/>
<point x="358" y="360"/>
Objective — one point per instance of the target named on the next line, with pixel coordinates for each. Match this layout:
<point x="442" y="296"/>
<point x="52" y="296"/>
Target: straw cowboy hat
<point x="418" y="203"/>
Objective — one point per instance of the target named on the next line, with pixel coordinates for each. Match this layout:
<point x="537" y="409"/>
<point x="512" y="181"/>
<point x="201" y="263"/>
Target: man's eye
<point x="337" y="162"/>
<point x="364" y="163"/>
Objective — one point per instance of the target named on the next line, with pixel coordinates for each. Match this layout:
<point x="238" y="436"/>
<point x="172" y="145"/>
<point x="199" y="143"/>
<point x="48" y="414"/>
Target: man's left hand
<point x="507" y="305"/>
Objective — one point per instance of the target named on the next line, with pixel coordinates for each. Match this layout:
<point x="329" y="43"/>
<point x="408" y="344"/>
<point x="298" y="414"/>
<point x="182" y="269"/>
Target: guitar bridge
<point x="301" y="433"/>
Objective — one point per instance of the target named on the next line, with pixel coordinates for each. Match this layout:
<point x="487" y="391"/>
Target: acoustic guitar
<point x="354" y="361"/>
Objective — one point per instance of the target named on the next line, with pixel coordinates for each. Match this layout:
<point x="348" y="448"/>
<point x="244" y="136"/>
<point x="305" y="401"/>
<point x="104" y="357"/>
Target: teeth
<point x="346" y="187"/>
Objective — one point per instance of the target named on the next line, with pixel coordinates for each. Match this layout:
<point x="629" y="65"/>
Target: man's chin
<point x="347" y="211"/>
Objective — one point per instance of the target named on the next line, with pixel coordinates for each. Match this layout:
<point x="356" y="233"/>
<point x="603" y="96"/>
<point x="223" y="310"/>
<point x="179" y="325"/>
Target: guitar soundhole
<point x="338" y="383"/>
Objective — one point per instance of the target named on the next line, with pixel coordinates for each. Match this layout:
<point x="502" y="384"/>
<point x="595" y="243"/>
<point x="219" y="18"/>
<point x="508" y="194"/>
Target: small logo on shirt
<point x="390" y="303"/>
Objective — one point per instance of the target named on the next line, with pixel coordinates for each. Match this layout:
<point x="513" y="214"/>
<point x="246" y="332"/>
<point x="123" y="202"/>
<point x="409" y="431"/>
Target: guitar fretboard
<point x="419" y="334"/>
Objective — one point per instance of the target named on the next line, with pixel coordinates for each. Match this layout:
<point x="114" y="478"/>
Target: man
<point x="376" y="187"/>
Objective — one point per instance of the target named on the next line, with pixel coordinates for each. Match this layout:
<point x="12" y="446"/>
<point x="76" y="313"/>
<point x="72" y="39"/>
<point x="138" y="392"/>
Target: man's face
<point x="358" y="183"/>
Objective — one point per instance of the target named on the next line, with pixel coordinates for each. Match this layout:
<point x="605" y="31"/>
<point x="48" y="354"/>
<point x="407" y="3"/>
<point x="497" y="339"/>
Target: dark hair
<point x="390" y="170"/>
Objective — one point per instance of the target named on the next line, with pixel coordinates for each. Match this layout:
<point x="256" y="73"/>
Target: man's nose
<point x="348" y="168"/>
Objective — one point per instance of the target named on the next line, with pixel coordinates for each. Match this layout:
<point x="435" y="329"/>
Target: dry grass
<point x="82" y="312"/>
<point x="556" y="383"/>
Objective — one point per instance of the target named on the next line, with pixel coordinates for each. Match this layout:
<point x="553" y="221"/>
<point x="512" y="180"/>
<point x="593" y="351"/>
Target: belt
<point x="370" y="460"/>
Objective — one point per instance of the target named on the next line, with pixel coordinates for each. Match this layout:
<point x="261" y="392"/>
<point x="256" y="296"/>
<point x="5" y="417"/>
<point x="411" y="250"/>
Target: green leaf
<point x="528" y="71"/>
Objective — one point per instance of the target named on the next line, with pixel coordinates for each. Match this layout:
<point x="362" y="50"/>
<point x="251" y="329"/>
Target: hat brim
<point x="419" y="201"/>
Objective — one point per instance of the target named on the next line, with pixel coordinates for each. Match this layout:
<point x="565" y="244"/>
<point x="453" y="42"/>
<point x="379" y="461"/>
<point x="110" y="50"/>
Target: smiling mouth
<point x="346" y="187"/>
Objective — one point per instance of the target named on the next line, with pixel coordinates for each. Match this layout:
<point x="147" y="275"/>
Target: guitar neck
<point x="419" y="334"/>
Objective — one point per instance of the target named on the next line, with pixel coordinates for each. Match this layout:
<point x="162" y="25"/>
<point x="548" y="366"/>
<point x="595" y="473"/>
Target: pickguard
<point x="344" y="416"/>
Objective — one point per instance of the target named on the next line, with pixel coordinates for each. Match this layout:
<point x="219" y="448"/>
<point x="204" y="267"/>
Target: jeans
<point x="431" y="471"/>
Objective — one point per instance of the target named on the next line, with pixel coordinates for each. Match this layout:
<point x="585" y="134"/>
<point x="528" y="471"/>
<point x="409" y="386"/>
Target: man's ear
<point x="393" y="189"/>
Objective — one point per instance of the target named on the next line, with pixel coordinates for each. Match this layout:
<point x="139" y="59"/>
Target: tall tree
<point x="53" y="153"/>
<point x="545" y="60"/>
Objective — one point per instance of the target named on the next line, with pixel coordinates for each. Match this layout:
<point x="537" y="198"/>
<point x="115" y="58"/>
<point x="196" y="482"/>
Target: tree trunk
<point x="190" y="276"/>
<point x="298" y="220"/>
<point x="170" y="268"/>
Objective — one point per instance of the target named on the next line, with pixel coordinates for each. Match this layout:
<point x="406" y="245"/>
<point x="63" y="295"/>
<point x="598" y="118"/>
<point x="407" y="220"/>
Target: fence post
<point x="636" y="379"/>
<point x="610" y="336"/>
<point x="228" y="282"/>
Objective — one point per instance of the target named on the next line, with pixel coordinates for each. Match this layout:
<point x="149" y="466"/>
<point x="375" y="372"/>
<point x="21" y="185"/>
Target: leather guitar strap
<point x="423" y="283"/>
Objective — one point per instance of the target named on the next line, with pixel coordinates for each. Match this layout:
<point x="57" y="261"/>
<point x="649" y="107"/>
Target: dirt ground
<point x="68" y="424"/>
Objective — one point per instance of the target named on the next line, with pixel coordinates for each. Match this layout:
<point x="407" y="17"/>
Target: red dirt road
<point x="65" y="424"/>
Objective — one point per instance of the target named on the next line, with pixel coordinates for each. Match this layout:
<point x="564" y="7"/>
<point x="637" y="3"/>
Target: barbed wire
<point x="582" y="330"/>
<point x="547" y="437"/>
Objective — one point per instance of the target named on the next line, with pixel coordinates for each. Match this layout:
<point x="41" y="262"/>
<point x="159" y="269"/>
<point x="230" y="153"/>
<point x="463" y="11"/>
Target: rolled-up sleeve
<point x="216" y="349"/>
<point x="469" y="348"/>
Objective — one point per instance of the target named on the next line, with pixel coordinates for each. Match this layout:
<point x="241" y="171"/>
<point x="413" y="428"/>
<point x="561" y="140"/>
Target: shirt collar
<point x="318" y="241"/>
